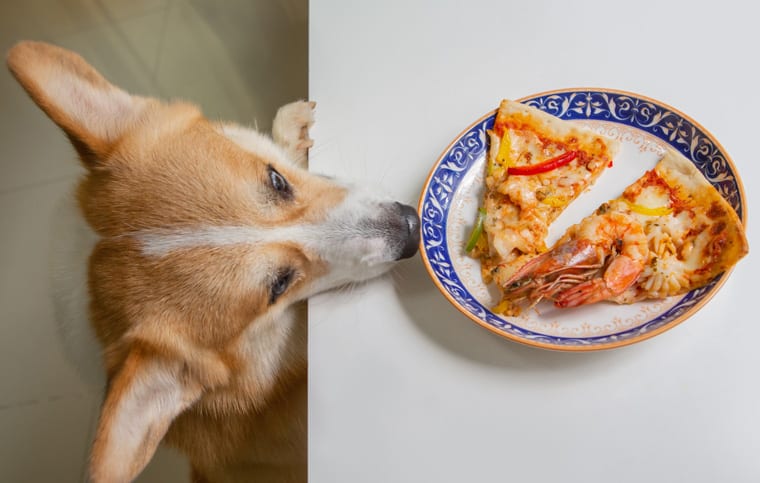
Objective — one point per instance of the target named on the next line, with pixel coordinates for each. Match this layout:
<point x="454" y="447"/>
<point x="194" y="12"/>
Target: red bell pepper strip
<point x="543" y="167"/>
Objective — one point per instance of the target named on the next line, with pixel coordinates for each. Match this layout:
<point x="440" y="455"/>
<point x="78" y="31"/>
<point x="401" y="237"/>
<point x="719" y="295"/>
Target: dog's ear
<point x="92" y="112"/>
<point x="143" y="398"/>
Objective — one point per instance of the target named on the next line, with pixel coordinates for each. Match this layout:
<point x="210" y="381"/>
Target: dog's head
<point x="205" y="229"/>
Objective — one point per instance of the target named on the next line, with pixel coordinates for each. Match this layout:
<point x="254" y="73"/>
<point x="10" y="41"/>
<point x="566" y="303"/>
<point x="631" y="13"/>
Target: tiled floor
<point x="238" y="59"/>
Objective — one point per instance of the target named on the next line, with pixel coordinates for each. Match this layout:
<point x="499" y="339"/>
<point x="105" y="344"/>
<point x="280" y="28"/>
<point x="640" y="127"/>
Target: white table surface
<point x="403" y="388"/>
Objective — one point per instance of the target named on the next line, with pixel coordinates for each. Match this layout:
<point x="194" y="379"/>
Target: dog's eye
<point x="280" y="284"/>
<point x="279" y="183"/>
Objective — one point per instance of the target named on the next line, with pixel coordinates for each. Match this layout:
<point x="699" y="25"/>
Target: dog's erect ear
<point x="142" y="400"/>
<point x="90" y="110"/>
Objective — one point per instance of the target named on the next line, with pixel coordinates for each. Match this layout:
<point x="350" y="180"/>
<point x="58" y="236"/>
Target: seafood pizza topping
<point x="536" y="165"/>
<point x="668" y="233"/>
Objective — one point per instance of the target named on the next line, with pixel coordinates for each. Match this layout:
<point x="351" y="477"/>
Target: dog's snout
<point x="391" y="233"/>
<point x="412" y="221"/>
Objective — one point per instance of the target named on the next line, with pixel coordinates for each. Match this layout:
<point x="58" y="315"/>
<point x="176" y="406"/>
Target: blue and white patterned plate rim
<point x="583" y="104"/>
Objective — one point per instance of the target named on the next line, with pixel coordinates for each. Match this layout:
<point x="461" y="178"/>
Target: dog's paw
<point x="290" y="129"/>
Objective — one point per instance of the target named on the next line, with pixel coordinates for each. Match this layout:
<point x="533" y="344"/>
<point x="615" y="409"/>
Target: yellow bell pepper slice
<point x="647" y="211"/>
<point x="553" y="201"/>
<point x="502" y="162"/>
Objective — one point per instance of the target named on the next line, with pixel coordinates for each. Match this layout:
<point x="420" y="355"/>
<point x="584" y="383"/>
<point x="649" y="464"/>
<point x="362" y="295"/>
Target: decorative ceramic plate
<point x="454" y="190"/>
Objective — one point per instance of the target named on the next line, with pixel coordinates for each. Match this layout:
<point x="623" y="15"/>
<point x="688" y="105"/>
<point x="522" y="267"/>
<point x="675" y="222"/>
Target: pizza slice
<point x="670" y="232"/>
<point x="536" y="165"/>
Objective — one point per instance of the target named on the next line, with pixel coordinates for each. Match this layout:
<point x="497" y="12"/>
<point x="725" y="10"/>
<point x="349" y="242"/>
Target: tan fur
<point x="193" y="347"/>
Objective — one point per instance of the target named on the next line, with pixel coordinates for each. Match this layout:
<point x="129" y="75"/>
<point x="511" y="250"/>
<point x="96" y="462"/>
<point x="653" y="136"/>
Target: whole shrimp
<point x="597" y="259"/>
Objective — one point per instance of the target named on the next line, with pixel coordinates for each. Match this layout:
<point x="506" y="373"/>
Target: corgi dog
<point x="202" y="240"/>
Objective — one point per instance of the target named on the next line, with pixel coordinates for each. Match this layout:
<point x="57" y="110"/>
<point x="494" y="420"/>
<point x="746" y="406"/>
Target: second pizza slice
<point x="669" y="232"/>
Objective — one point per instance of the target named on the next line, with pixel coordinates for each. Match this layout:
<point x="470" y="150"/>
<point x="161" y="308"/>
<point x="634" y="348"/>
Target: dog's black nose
<point x="412" y="220"/>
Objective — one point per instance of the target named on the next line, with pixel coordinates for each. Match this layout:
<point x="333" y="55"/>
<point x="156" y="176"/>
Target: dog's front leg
<point x="290" y="129"/>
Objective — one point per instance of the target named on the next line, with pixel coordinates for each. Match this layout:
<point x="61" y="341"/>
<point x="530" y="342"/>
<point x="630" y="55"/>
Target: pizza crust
<point x="709" y="207"/>
<point x="552" y="124"/>
<point x="677" y="168"/>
